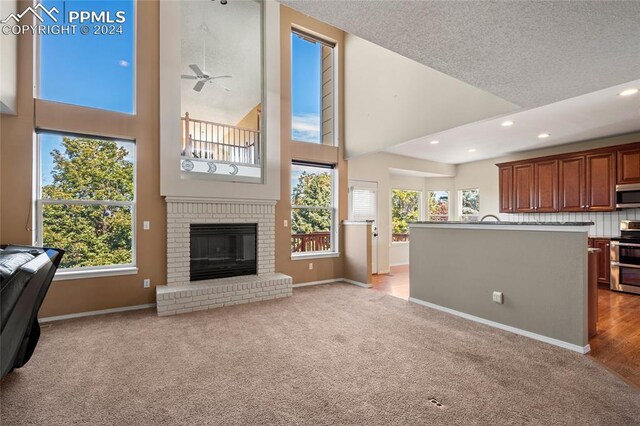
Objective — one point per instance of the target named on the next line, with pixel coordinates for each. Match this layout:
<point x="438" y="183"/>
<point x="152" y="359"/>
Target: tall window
<point x="405" y="208"/>
<point x="312" y="90"/>
<point x="469" y="204"/>
<point x="312" y="208"/>
<point x="95" y="69"/>
<point x="438" y="207"/>
<point x="86" y="199"/>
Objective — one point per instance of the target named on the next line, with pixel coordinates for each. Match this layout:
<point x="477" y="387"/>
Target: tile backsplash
<point x="606" y="224"/>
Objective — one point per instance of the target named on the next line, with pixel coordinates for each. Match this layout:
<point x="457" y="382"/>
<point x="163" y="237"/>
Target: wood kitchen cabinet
<point x="506" y="189"/>
<point x="604" y="258"/>
<point x="523" y="188"/>
<point x="628" y="166"/>
<point x="600" y="184"/>
<point x="546" y="186"/>
<point x="572" y="180"/>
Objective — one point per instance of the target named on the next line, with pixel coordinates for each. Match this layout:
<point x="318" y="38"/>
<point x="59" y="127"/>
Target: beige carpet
<point x="330" y="355"/>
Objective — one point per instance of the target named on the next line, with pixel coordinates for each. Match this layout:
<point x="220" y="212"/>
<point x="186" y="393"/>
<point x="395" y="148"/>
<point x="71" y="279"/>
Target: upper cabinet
<point x="546" y="186"/>
<point x="506" y="189"/>
<point x="601" y="190"/>
<point x="523" y="188"/>
<point x="573" y="182"/>
<point x="628" y="165"/>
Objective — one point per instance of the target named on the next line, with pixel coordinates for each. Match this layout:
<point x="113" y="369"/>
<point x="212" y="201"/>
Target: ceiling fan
<point x="202" y="78"/>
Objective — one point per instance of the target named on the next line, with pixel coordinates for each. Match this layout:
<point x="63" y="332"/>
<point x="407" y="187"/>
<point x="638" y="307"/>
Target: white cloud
<point x="306" y="127"/>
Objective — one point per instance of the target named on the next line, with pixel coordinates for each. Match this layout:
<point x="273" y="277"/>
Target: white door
<point x="363" y="205"/>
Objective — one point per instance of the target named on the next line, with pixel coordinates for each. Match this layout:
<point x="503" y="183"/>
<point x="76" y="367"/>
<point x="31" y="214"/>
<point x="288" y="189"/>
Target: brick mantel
<point x="182" y="212"/>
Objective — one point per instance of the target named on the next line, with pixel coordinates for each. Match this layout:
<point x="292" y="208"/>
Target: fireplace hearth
<point x="222" y="250"/>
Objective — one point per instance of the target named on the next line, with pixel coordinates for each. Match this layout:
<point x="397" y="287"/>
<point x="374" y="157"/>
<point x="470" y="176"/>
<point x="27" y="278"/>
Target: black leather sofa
<point x="25" y="276"/>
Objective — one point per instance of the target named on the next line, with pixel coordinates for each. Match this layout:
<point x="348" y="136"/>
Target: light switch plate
<point x="146" y="283"/>
<point x="286" y="223"/>
<point x="498" y="297"/>
<point x="146" y="225"/>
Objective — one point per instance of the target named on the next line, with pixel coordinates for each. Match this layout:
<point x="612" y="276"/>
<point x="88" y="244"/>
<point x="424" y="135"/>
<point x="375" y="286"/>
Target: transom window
<point x="93" y="69"/>
<point x="312" y="208"/>
<point x="312" y="89"/>
<point x="86" y="199"/>
<point x="405" y="208"/>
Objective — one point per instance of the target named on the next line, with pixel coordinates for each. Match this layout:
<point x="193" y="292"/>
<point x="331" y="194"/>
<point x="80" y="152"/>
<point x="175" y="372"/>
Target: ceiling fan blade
<point x="199" y="85"/>
<point x="196" y="69"/>
<point x="220" y="76"/>
<point x="188" y="77"/>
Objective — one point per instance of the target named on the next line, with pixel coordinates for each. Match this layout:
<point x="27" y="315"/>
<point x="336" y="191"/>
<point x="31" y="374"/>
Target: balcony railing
<point x="316" y="241"/>
<point x="219" y="142"/>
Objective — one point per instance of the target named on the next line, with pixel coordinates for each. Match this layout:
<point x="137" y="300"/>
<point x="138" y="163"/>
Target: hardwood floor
<point x="395" y="283"/>
<point x="616" y="346"/>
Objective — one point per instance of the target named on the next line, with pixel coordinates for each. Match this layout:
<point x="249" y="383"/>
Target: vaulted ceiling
<point x="531" y="53"/>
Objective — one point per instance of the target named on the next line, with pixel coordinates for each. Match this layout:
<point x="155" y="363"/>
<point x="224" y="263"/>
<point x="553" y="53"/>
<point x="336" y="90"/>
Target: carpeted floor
<point x="330" y="355"/>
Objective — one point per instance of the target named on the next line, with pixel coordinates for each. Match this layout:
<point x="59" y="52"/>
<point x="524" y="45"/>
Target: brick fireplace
<point x="181" y="295"/>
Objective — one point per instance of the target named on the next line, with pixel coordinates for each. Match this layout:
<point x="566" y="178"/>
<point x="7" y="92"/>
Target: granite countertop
<point x="494" y="223"/>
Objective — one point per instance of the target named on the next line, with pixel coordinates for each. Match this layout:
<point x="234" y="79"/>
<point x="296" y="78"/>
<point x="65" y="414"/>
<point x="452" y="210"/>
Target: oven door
<point x="625" y="267"/>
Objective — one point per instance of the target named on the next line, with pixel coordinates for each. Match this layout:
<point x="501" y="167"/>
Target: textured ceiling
<point x="530" y="53"/>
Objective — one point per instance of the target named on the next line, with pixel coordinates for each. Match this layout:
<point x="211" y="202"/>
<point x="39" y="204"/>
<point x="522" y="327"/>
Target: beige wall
<point x="323" y="268"/>
<point x="17" y="159"/>
<point x="542" y="275"/>
<point x="484" y="174"/>
<point x="391" y="99"/>
<point x="8" y="63"/>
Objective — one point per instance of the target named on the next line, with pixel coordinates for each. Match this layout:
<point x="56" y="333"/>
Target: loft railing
<point x="316" y="241"/>
<point x="214" y="141"/>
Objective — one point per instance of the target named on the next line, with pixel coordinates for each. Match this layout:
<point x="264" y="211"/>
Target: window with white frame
<point x="312" y="89"/>
<point x="85" y="200"/>
<point x="438" y="206"/>
<point x="313" y="208"/>
<point x="405" y="208"/>
<point x="469" y="204"/>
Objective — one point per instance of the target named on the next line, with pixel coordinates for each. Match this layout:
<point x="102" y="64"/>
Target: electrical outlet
<point x="286" y="223"/>
<point x="146" y="283"/>
<point x="498" y="297"/>
<point x="310" y="265"/>
<point x="146" y="225"/>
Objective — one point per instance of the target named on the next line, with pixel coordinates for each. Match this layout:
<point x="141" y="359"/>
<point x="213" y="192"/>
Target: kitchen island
<point x="536" y="272"/>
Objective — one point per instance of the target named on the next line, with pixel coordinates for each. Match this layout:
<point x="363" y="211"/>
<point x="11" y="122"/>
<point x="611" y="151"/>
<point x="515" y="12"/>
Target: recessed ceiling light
<point x="472" y="150"/>
<point x="543" y="135"/>
<point x="434" y="142"/>
<point x="628" y="92"/>
<point x="507" y="123"/>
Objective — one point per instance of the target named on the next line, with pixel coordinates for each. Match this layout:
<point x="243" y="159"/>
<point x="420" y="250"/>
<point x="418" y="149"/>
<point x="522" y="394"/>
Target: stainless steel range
<point x="625" y="258"/>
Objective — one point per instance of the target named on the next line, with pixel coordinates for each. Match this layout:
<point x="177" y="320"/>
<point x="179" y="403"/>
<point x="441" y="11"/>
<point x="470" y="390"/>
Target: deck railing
<point x="399" y="238"/>
<point x="316" y="241"/>
<point x="215" y="141"/>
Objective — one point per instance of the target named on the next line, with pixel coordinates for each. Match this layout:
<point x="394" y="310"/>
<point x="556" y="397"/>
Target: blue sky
<point x="305" y="90"/>
<point x="90" y="70"/>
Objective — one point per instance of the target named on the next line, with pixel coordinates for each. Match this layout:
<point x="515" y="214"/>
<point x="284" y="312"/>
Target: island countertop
<point x="524" y="226"/>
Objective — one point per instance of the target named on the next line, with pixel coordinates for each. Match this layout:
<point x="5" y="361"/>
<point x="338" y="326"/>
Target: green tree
<point x="404" y="209"/>
<point x="470" y="201"/>
<point x="91" y="235"/>
<point x="438" y="205"/>
<point x="314" y="190"/>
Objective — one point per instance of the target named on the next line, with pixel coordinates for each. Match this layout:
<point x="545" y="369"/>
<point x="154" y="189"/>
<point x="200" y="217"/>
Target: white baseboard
<point x="334" y="280"/>
<point x="536" y="336"/>
<point x="94" y="313"/>
<point x="398" y="264"/>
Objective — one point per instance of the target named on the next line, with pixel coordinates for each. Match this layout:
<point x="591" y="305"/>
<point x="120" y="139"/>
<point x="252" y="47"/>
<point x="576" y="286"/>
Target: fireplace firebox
<point x="222" y="250"/>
